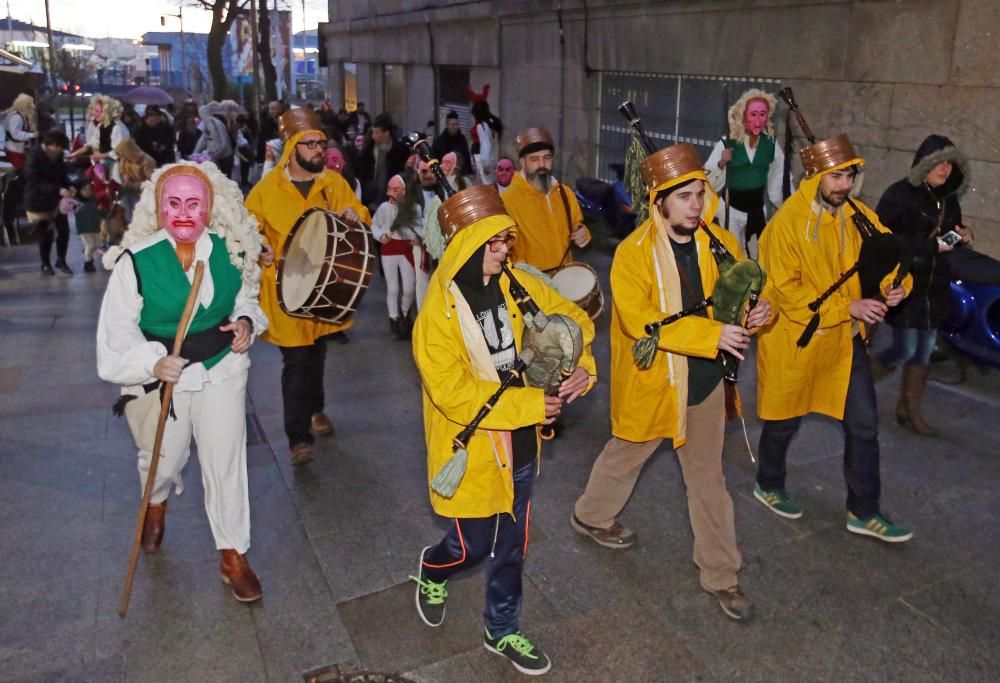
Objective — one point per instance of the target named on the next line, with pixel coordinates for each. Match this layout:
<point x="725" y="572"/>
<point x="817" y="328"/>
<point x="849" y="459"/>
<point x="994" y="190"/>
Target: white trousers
<point x="423" y="277"/>
<point x="216" y="416"/>
<point x="737" y="226"/>
<point x="399" y="275"/>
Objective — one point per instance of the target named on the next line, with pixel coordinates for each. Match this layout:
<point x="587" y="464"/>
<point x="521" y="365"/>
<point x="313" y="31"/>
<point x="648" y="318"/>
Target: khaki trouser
<point x="617" y="469"/>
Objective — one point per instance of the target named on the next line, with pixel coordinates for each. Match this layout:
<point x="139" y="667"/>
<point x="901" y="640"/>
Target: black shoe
<point x="63" y="268"/>
<point x="394" y="327"/>
<point x="47" y="269"/>
<point x="526" y="658"/>
<point x="89" y="267"/>
<point x="431" y="596"/>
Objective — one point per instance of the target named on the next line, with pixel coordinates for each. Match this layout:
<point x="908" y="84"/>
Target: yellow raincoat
<point x="646" y="404"/>
<point x="458" y="377"/>
<point x="804" y="249"/>
<point x="543" y="236"/>
<point x="277" y="205"/>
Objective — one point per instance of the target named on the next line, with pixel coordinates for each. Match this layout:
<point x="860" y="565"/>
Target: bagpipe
<point x="881" y="252"/>
<point x="551" y="346"/>
<point x="736" y="291"/>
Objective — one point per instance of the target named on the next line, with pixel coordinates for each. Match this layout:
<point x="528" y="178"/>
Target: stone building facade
<point x="887" y="72"/>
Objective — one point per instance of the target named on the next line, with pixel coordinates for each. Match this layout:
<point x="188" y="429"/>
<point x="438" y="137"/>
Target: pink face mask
<point x="334" y="159"/>
<point x="505" y="172"/>
<point x="448" y="163"/>
<point x="755" y="117"/>
<point x="184" y="208"/>
<point x="396" y="189"/>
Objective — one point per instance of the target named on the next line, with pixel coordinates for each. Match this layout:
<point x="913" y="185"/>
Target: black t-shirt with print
<point x="490" y="310"/>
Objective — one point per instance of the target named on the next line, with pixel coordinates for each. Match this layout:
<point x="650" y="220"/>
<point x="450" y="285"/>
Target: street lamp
<point x="163" y="22"/>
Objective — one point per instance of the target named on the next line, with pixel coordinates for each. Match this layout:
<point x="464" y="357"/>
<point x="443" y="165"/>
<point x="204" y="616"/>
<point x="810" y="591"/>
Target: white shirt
<point x="717" y="176"/>
<point x="385" y="214"/>
<point x="17" y="133"/>
<point x="125" y="357"/>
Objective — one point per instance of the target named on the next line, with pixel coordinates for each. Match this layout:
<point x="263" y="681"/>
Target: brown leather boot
<point x="236" y="573"/>
<point x="321" y="424"/>
<point x="152" y="529"/>
<point x="914" y="382"/>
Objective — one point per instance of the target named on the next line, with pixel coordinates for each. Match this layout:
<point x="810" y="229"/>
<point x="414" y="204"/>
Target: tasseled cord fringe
<point x="644" y="349"/>
<point x="808" y="333"/>
<point x="446" y="482"/>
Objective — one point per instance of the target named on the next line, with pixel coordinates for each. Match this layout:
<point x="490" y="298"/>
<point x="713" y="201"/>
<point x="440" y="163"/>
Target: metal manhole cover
<point x="334" y="674"/>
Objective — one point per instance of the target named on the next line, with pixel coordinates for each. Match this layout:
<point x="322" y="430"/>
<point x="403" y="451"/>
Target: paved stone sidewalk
<point x="335" y="541"/>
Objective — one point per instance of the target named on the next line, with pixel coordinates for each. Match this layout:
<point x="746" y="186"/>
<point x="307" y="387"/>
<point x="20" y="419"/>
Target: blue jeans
<point x="861" y="451"/>
<point x="909" y="345"/>
<point x="503" y="539"/>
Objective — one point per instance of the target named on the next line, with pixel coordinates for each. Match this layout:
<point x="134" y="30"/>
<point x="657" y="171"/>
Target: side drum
<point x="578" y="282"/>
<point x="325" y="267"/>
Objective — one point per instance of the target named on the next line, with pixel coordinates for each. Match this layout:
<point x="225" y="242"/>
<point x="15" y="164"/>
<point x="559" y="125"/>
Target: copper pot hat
<point x="532" y="140"/>
<point x="827" y="154"/>
<point x="668" y="164"/>
<point x="469" y="206"/>
<point x="296" y="121"/>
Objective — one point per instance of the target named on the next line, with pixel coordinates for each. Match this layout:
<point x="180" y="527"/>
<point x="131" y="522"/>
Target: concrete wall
<point x="887" y="72"/>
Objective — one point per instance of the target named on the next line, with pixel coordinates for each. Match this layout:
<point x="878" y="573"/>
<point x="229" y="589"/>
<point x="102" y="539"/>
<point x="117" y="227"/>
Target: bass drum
<point x="578" y="282"/>
<point x="325" y="267"/>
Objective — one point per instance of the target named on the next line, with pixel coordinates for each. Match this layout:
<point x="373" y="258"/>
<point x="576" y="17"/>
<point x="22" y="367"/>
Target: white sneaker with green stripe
<point x="777" y="502"/>
<point x="880" y="527"/>
<point x="526" y="658"/>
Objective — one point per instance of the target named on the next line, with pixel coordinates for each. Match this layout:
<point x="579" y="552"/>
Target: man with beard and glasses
<point x="300" y="181"/>
<point x="665" y="266"/>
<point x="546" y="211"/>
<point x="806" y="246"/>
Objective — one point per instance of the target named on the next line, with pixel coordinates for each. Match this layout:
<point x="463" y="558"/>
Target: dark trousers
<point x="861" y="452"/>
<point x="503" y="541"/>
<point x="302" y="388"/>
<point x="225" y="165"/>
<point x="48" y="231"/>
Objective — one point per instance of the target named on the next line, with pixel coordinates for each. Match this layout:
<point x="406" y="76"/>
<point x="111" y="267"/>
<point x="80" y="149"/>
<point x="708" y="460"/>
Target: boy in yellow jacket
<point x="663" y="267"/>
<point x="806" y="246"/>
<point x="467" y="337"/>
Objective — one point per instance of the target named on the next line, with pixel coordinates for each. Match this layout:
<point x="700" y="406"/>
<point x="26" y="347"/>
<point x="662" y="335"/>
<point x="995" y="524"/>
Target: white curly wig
<point x="111" y="109"/>
<point x="230" y="219"/>
<point x="736" y="128"/>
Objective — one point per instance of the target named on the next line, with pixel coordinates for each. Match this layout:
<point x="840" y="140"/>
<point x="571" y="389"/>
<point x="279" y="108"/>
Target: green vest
<point x="743" y="174"/>
<point x="164" y="289"/>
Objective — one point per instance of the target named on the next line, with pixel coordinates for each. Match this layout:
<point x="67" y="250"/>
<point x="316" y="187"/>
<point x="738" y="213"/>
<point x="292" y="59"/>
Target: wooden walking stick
<point x="168" y="392"/>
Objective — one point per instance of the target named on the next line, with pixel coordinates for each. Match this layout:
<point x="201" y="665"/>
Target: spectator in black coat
<point x="452" y="139"/>
<point x="920" y="209"/>
<point x="383" y="156"/>
<point x="155" y="137"/>
<point x="46" y="182"/>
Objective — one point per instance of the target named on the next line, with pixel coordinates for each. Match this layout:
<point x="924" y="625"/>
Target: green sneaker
<point x="880" y="527"/>
<point x="430" y="597"/>
<point x="777" y="502"/>
<point x="525" y="657"/>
